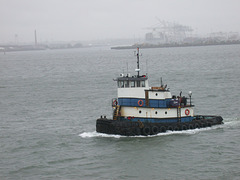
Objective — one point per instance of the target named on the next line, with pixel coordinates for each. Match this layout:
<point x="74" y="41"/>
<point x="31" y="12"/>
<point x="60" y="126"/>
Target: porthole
<point x="156" y="94"/>
<point x="140" y="112"/>
<point x="165" y="112"/>
<point x="155" y="112"/>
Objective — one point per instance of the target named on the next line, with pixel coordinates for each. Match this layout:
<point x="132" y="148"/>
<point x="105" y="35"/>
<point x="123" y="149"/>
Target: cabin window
<point x="132" y="83"/>
<point x="140" y="112"/>
<point x="142" y="83"/>
<point x="155" y="112"/>
<point x="165" y="112"/>
<point x="126" y="84"/>
<point x="120" y="84"/>
<point x="138" y="83"/>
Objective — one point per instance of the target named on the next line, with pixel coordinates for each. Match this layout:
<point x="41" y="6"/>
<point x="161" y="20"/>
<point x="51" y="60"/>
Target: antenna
<point x="161" y="82"/>
<point x="138" y="69"/>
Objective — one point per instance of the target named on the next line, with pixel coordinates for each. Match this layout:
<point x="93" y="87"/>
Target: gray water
<point x="50" y="100"/>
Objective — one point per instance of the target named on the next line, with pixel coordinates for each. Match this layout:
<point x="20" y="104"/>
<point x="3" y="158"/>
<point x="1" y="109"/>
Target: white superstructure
<point x="137" y="101"/>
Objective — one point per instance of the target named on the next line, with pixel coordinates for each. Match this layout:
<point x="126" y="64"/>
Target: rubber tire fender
<point x="170" y="128"/>
<point x="209" y="124"/>
<point x="146" y="131"/>
<point x="197" y="126"/>
<point x="176" y="128"/>
<point x="162" y="129"/>
<point x="137" y="131"/>
<point x="184" y="127"/>
<point x="155" y="130"/>
<point x="190" y="126"/>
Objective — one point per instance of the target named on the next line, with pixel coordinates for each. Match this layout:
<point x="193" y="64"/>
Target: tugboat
<point x="143" y="110"/>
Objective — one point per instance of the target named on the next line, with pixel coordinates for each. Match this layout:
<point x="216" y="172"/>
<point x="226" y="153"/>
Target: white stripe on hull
<point x="155" y="112"/>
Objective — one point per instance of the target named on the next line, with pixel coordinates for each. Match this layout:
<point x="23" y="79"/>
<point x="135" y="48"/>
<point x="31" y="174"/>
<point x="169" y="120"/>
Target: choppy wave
<point x="231" y="122"/>
<point x="185" y="132"/>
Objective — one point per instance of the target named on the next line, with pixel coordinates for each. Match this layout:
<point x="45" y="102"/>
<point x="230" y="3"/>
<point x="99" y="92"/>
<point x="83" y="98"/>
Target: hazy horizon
<point x="60" y="20"/>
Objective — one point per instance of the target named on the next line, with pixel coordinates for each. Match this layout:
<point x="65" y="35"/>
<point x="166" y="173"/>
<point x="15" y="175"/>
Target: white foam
<point x="96" y="134"/>
<point x="234" y="123"/>
<point x="228" y="123"/>
<point x="185" y="132"/>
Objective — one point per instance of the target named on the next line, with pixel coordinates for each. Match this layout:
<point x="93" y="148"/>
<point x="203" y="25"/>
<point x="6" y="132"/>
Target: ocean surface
<point x="50" y="100"/>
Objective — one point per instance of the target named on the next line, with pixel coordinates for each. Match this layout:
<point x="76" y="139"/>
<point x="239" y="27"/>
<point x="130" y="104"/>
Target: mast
<point x="138" y="69"/>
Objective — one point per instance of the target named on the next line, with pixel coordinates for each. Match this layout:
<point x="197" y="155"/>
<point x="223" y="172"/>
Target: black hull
<point x="128" y="128"/>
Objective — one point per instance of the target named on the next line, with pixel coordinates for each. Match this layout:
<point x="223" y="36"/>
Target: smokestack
<point x="35" y="33"/>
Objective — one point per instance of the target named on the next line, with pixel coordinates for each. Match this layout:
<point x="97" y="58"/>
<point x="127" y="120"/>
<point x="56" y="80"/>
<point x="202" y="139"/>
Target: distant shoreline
<point x="40" y="47"/>
<point x="144" y="46"/>
<point x="15" y="48"/>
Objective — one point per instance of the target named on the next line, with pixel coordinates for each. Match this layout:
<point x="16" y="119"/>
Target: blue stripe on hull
<point x="133" y="102"/>
<point x="157" y="120"/>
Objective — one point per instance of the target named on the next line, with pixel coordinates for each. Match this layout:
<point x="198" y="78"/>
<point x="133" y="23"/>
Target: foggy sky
<point x="70" y="20"/>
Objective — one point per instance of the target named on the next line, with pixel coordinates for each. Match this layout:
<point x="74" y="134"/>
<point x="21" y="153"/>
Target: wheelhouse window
<point x="138" y="83"/>
<point x="126" y="84"/>
<point x="121" y="84"/>
<point x="132" y="83"/>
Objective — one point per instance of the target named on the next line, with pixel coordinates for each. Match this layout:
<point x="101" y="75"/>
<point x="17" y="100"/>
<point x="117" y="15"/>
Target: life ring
<point x="140" y="102"/>
<point x="187" y="112"/>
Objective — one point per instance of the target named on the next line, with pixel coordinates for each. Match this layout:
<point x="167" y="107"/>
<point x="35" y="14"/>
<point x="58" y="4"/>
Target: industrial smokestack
<point x="35" y="33"/>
